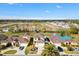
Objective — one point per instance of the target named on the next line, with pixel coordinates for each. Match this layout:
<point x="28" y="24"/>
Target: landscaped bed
<point x="10" y="52"/>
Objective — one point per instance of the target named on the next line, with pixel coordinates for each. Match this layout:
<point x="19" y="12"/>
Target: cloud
<point x="11" y="3"/>
<point x="21" y="5"/>
<point x="58" y="6"/>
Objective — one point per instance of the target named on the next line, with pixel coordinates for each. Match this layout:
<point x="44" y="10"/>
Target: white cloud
<point x="11" y="3"/>
<point x="21" y="5"/>
<point x="58" y="6"/>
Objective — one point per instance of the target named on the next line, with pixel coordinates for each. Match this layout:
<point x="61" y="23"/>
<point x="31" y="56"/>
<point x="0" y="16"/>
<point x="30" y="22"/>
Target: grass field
<point x="28" y="48"/>
<point x="11" y="33"/>
<point x="71" y="52"/>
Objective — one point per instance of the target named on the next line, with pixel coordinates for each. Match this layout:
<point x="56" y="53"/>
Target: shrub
<point x="70" y="48"/>
<point x="3" y="47"/>
<point x="17" y="44"/>
<point x="62" y="44"/>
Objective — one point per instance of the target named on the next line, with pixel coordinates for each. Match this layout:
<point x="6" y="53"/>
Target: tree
<point x="50" y="50"/>
<point x="31" y="41"/>
<point x="62" y="33"/>
<point x="8" y="44"/>
<point x="73" y="29"/>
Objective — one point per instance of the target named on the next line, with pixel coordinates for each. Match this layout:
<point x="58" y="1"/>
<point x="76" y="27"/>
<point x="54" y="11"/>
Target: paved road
<point x="40" y="49"/>
<point x="21" y="52"/>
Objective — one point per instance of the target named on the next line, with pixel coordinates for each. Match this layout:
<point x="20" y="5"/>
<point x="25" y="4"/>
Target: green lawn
<point x="11" y="33"/>
<point x="28" y="48"/>
<point x="10" y="52"/>
<point x="71" y="52"/>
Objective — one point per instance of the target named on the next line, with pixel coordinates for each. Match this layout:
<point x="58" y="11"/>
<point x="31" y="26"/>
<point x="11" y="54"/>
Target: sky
<point x="39" y="10"/>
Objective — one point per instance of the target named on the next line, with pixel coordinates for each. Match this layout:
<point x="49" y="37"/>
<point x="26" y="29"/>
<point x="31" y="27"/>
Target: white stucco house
<point x="5" y="30"/>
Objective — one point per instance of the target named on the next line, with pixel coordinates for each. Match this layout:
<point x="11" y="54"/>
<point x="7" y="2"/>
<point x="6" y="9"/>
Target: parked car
<point x="60" y="49"/>
<point x="21" y="47"/>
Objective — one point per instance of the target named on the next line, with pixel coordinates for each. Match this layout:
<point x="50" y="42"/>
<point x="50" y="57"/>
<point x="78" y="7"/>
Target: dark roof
<point x="15" y="36"/>
<point x="3" y="37"/>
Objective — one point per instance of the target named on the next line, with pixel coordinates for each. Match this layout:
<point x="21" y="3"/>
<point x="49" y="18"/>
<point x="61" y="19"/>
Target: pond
<point x="65" y="37"/>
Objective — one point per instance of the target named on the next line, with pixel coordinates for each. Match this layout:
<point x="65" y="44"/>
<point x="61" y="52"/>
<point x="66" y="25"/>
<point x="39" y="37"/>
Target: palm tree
<point x="31" y="41"/>
<point x="50" y="50"/>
